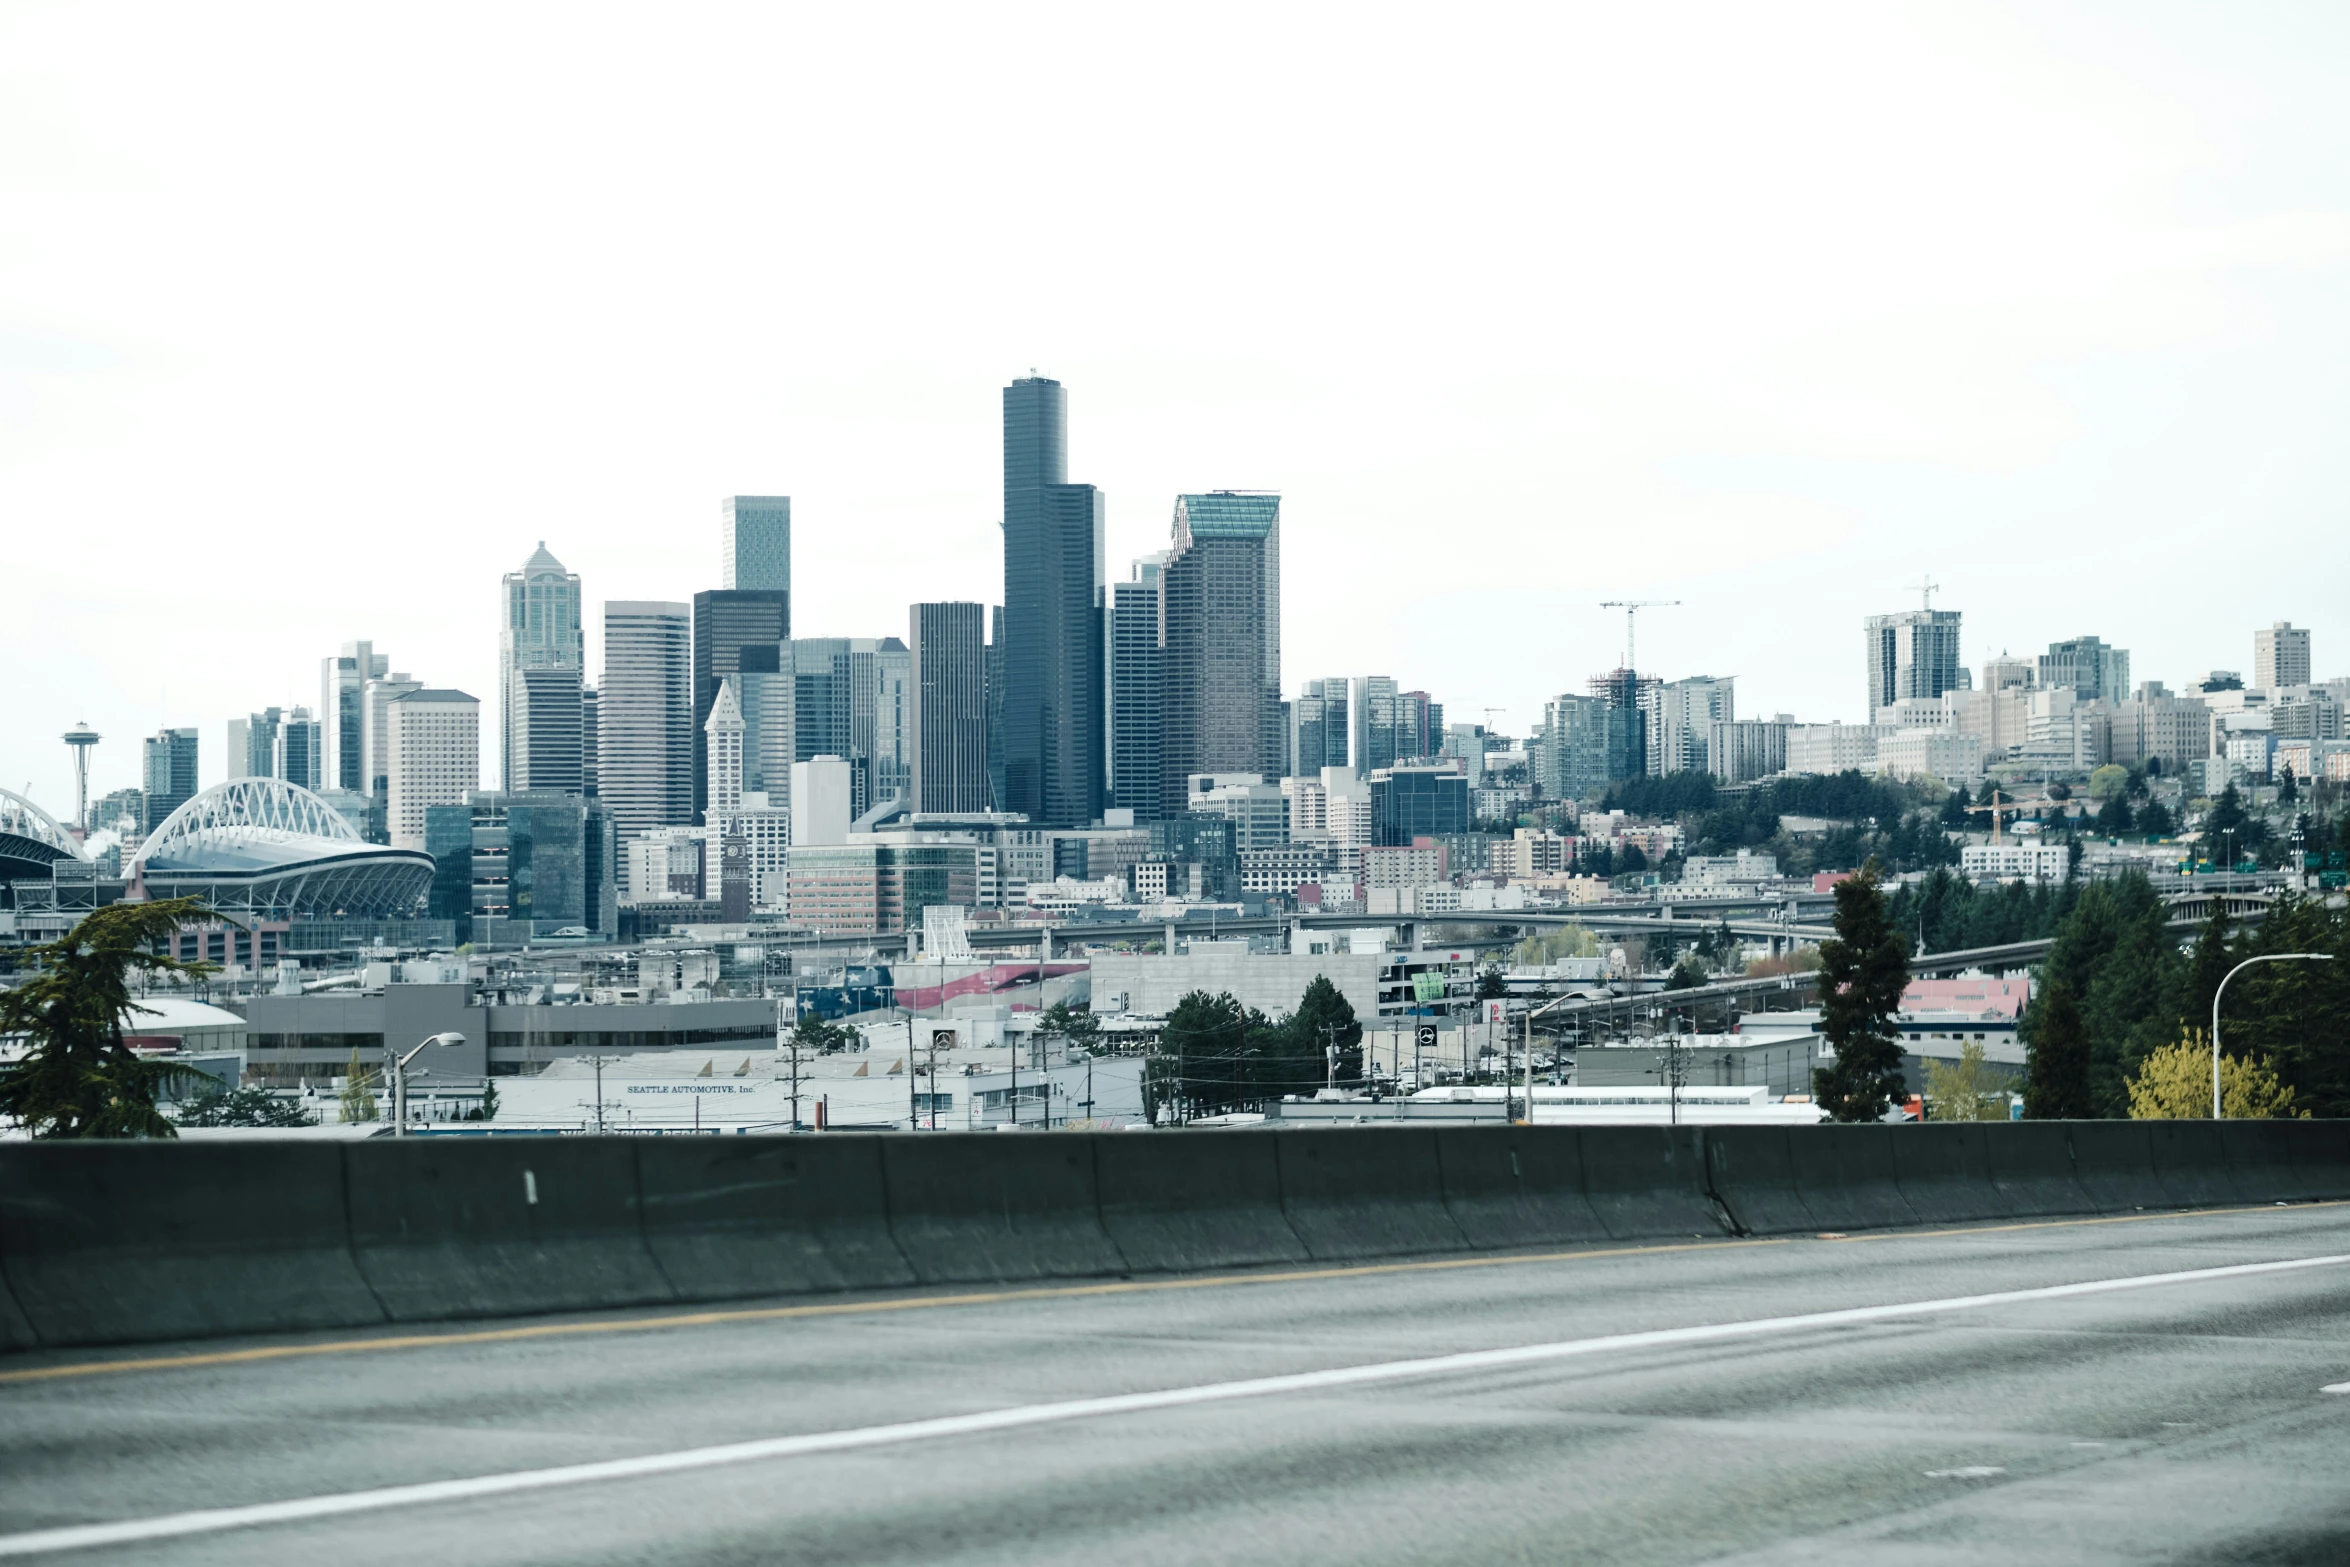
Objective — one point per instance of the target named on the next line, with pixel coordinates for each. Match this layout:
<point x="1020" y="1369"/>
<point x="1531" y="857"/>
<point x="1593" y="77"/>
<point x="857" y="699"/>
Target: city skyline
<point x="2048" y="331"/>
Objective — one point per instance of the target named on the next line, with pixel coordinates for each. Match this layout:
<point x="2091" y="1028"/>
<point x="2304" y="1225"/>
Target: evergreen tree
<point x="2056" y="1060"/>
<point x="1324" y="1018"/>
<point x="76" y="1077"/>
<point x="1863" y="971"/>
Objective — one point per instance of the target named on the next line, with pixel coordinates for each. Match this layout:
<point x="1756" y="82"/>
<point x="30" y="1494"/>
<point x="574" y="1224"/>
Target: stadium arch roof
<point x="30" y="840"/>
<point x="263" y="845"/>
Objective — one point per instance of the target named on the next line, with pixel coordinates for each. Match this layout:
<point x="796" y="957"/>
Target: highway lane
<point x="2183" y="1421"/>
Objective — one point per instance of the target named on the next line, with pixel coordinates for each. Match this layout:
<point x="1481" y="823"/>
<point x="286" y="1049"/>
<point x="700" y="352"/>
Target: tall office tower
<point x="645" y="716"/>
<point x="2280" y="656"/>
<point x="2094" y="671"/>
<point x="763" y="689"/>
<point x="1681" y="719"/>
<point x="754" y="546"/>
<point x="996" y="793"/>
<point x="1629" y="696"/>
<point x="2009" y="674"/>
<point x="168" y="774"/>
<point x="1137" y="715"/>
<point x="433" y="746"/>
<point x="1913" y="653"/>
<point x="375" y="733"/>
<point x="342" y="687"/>
<point x="722" y="748"/>
<point x="1376" y="703"/>
<point x="587" y="741"/>
<point x="1318" y="727"/>
<point x="252" y="744"/>
<point x="1220" y="669"/>
<point x="947" y="712"/>
<point x="1571" y="754"/>
<point x="539" y="628"/>
<point x="548" y="710"/>
<point x="1055" y="598"/>
<point x="836" y="688"/>
<point x="725" y="623"/>
<point x="1421" y="719"/>
<point x="300" y="750"/>
<point x="893" y="742"/>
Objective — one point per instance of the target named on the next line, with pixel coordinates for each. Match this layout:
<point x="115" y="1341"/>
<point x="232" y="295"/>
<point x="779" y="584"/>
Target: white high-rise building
<point x="645" y="714"/>
<point x="342" y="712"/>
<point x="538" y="628"/>
<point x="820" y="796"/>
<point x="434" y="745"/>
<point x="2280" y="656"/>
<point x="723" y="734"/>
<point x="1681" y="716"/>
<point x="375" y="733"/>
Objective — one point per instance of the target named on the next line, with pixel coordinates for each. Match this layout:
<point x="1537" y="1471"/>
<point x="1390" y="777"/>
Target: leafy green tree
<point x="1969" y="1089"/>
<point x="1491" y="985"/>
<point x="2113" y="817"/>
<point x="1324" y="1017"/>
<point x="2154" y="821"/>
<point x="1863" y="972"/>
<point x="2108" y="781"/>
<point x="76" y="1077"/>
<point x="2288" y="789"/>
<point x="1687" y="974"/>
<point x="1202" y="1065"/>
<point x="1075" y="1026"/>
<point x="243" y="1107"/>
<point x="358" y="1097"/>
<point x="814" y="1035"/>
<point x="2056" y="1060"/>
<point x="2174" y="1084"/>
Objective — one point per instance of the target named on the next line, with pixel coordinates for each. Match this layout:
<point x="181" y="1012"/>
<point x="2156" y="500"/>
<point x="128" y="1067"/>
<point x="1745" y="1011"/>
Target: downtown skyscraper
<point x="1055" y="599"/>
<point x="539" y="630"/>
<point x="1220" y="661"/>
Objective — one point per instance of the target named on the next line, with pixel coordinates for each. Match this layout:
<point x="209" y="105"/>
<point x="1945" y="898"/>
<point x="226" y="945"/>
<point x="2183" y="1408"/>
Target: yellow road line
<point x="2068" y="1224"/>
<point x="696" y="1319"/>
<point x="231" y="1357"/>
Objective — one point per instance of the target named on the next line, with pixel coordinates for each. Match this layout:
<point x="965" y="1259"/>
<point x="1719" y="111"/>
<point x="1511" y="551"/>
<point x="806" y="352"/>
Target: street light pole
<point x="2218" y="1111"/>
<point x="400" y="1079"/>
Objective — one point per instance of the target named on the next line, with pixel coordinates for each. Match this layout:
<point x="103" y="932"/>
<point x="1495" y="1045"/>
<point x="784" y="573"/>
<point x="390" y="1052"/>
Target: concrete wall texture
<point x="1273" y="983"/>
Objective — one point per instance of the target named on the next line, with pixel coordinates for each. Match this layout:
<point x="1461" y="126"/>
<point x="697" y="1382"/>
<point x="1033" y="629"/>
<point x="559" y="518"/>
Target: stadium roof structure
<point x="30" y="840"/>
<point x="266" y="846"/>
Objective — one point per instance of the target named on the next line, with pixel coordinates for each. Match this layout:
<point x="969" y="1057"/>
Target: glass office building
<point x="539" y="628"/>
<point x="1418" y="802"/>
<point x="728" y="624"/>
<point x="1055" y="600"/>
<point x="754" y="551"/>
<point x="1137" y="778"/>
<point x="1220" y="655"/>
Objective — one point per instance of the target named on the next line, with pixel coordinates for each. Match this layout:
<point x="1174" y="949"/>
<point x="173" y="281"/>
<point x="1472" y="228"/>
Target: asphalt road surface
<point x="1646" y="1404"/>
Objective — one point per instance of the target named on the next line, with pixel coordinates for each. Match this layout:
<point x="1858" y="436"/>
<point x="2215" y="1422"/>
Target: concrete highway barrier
<point x="1201" y="1200"/>
<point x="107" y="1242"/>
<point x="1945" y="1173"/>
<point x="1368" y="1192"/>
<point x="974" y="1207"/>
<point x="1752" y="1170"/>
<point x="1650" y="1182"/>
<point x="125" y="1242"/>
<point x="2032" y="1165"/>
<point x="1522" y="1187"/>
<point x="731" y="1217"/>
<point x="497" y="1226"/>
<point x="2114" y="1163"/>
<point x="1846" y="1176"/>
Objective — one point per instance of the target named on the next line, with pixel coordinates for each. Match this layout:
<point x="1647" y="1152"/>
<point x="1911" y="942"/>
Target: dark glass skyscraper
<point x="1137" y="716"/>
<point x="948" y="721"/>
<point x="725" y="623"/>
<point x="1055" y="582"/>
<point x="1221" y="649"/>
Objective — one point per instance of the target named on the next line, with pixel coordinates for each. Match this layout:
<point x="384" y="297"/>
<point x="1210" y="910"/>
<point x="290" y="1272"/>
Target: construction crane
<point x="1632" y="607"/>
<point x="2002" y="807"/>
<point x="1925" y="588"/>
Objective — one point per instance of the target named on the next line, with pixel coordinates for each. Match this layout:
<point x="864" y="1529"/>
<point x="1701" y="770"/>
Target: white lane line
<point x="215" y="1520"/>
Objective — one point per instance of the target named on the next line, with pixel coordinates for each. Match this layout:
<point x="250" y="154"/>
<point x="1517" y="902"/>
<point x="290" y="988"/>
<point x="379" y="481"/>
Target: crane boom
<point x="1632" y="607"/>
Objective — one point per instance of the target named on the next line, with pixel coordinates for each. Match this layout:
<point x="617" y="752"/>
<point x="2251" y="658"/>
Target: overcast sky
<point x="314" y="320"/>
